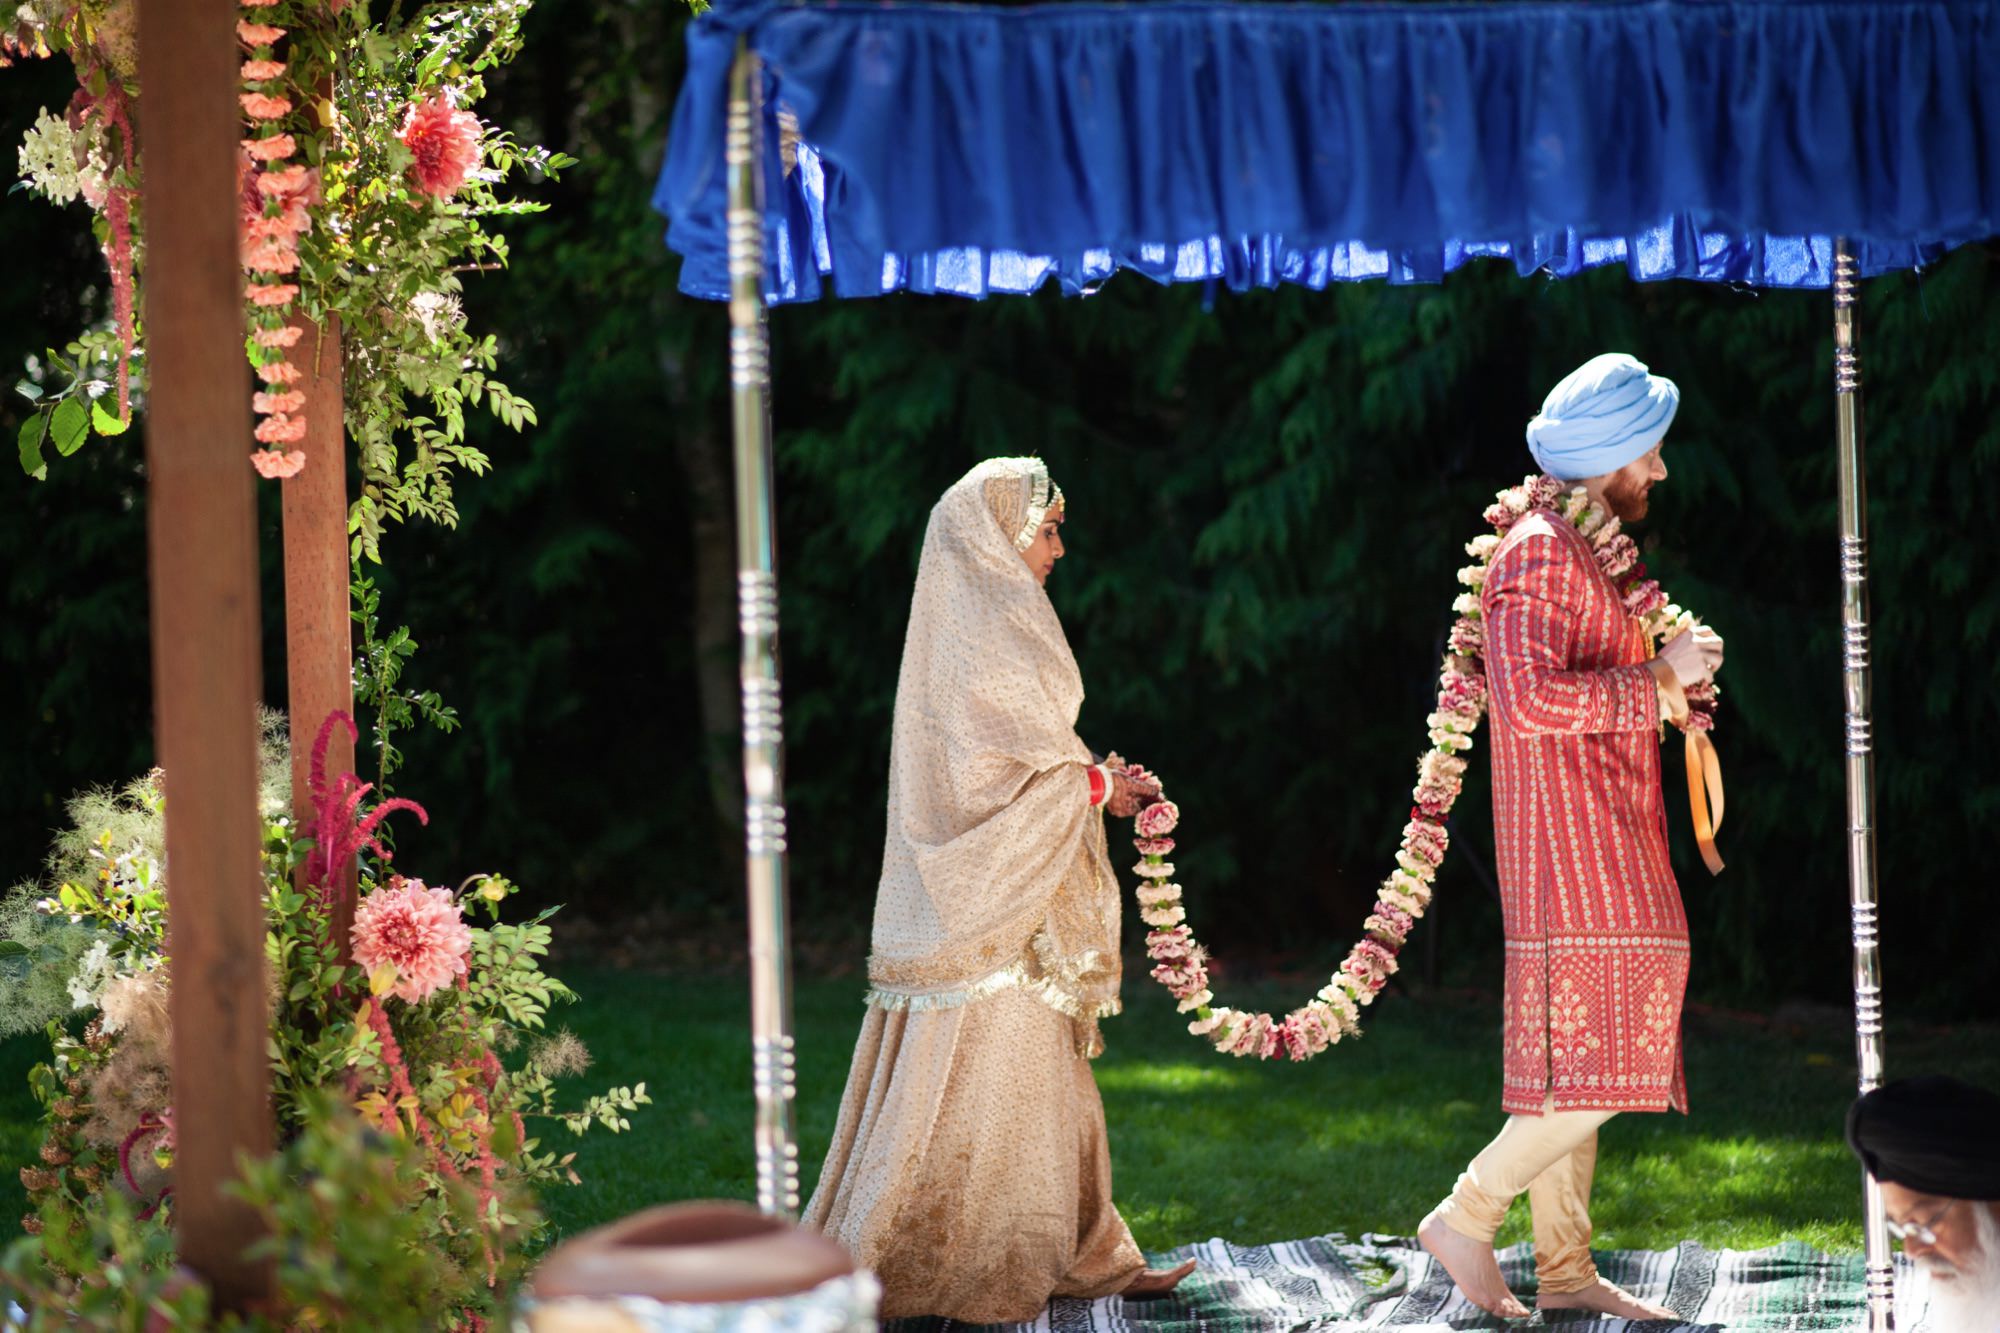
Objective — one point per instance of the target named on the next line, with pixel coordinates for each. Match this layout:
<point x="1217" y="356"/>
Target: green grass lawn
<point x="1365" y="1138"/>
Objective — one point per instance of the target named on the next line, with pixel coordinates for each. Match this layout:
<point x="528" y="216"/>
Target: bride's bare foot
<point x="1156" y="1281"/>
<point x="1472" y="1266"/>
<point x="1604" y="1299"/>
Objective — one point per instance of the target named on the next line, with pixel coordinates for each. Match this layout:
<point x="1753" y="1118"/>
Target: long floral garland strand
<point x="276" y="192"/>
<point x="279" y="198"/>
<point x="1180" y="962"/>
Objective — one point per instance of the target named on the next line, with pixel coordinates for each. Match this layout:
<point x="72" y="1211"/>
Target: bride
<point x="969" y="1166"/>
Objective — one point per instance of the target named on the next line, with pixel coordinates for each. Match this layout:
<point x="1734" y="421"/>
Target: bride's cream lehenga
<point x="969" y="1166"/>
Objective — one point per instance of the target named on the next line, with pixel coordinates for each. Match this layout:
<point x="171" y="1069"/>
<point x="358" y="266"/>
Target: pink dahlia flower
<point x="418" y="931"/>
<point x="444" y="143"/>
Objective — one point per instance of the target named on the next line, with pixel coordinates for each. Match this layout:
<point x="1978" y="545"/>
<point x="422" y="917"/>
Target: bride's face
<point x="1047" y="548"/>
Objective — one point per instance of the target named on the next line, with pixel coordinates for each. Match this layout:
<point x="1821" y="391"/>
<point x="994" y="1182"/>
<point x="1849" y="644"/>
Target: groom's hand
<point x="1710" y="644"/>
<point x="1694" y="656"/>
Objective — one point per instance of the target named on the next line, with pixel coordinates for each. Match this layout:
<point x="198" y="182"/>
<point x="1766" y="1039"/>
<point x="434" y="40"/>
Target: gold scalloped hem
<point x="1007" y="978"/>
<point x="1072" y="971"/>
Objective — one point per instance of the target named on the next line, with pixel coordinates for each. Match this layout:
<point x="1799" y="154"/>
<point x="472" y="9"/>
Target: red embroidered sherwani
<point x="1597" y="942"/>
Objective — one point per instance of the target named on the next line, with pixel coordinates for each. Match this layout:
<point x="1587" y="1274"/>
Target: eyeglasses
<point x="1920" y="1232"/>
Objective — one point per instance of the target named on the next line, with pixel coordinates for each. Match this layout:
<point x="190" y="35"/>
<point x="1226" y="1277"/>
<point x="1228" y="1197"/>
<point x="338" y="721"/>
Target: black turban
<point x="1934" y="1134"/>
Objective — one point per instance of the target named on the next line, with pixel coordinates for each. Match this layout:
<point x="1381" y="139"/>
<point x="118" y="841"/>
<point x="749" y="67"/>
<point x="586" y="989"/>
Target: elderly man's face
<point x="1957" y="1251"/>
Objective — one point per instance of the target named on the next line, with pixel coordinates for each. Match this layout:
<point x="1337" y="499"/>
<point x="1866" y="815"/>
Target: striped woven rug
<point x="1331" y="1283"/>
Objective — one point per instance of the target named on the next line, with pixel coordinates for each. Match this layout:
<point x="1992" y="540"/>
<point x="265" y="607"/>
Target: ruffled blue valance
<point x="983" y="150"/>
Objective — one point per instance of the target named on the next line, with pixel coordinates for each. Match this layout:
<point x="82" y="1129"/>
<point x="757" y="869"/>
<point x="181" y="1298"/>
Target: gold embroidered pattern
<point x="1530" y="1028"/>
<point x="1660" y="1018"/>
<point x="1015" y="977"/>
<point x="1570" y="1036"/>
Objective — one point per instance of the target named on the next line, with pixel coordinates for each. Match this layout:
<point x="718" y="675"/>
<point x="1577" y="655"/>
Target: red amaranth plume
<point x="149" y="1125"/>
<point x="339" y="831"/>
<point x="113" y="109"/>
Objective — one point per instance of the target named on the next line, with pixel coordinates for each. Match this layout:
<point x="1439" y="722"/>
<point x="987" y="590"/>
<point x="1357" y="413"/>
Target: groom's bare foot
<point x="1604" y="1298"/>
<point x="1156" y="1281"/>
<point x="1472" y="1266"/>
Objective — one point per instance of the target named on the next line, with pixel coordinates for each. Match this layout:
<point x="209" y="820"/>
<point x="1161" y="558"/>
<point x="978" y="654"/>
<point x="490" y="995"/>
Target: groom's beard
<point x="1627" y="500"/>
<point x="1966" y="1300"/>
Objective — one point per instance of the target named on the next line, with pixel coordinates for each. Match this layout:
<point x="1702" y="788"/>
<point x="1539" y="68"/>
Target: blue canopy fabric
<point x="981" y="150"/>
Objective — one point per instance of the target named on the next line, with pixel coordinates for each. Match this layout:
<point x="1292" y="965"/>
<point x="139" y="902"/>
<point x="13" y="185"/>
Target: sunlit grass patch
<point x="1367" y="1137"/>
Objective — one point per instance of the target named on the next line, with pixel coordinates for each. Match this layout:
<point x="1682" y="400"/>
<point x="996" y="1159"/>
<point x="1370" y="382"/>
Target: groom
<point x="1597" y="943"/>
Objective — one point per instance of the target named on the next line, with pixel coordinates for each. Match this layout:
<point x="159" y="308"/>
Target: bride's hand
<point x="1129" y="796"/>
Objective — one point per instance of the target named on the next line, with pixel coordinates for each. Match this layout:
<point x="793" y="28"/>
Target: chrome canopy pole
<point x="1856" y="669"/>
<point x="757" y="591"/>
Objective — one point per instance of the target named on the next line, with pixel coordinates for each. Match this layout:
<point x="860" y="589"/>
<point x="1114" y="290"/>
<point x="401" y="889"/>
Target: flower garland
<point x="279" y="199"/>
<point x="90" y="152"/>
<point x="275" y="192"/>
<point x="364" y="198"/>
<point x="1180" y="962"/>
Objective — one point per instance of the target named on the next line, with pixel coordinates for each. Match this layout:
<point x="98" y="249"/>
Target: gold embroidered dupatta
<point x="994" y="872"/>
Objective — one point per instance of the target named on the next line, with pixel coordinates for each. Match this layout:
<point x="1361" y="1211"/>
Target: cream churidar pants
<point x="1551" y="1156"/>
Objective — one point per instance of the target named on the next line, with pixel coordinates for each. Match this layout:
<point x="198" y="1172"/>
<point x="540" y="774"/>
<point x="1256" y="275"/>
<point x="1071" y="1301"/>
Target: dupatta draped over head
<point x="994" y="872"/>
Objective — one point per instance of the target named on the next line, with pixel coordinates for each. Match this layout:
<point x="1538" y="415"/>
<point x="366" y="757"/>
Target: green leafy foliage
<point x="349" y="1216"/>
<point x="422" y="1082"/>
<point x="378" y="682"/>
<point x="380" y="258"/>
<point x="68" y="390"/>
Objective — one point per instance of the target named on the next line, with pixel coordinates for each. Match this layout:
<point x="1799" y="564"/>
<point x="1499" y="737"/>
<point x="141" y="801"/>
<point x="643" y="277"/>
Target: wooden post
<point x="319" y="632"/>
<point x="202" y="523"/>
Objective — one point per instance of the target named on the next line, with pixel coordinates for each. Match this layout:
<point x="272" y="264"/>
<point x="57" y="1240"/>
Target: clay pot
<point x="706" y="1254"/>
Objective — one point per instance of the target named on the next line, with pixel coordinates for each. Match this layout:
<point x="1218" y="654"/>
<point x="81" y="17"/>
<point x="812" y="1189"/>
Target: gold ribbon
<point x="1704" y="768"/>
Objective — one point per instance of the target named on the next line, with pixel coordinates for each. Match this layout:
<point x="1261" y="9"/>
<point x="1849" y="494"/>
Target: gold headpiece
<point x="1044" y="497"/>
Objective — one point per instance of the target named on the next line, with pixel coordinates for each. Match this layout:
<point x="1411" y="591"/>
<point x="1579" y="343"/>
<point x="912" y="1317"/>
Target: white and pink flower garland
<point x="1180" y="963"/>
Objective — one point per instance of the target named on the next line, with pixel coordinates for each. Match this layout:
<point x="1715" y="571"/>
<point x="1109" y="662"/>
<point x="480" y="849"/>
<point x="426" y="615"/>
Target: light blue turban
<point x="1605" y="413"/>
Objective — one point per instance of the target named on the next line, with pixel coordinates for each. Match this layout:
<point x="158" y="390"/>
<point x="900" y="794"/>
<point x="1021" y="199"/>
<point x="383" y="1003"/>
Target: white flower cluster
<point x="1160" y="905"/>
<point x="439" y="313"/>
<point x="60" y="163"/>
<point x="93" y="972"/>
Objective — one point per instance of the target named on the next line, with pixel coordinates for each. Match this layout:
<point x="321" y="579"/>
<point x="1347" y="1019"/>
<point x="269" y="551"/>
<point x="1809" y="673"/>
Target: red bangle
<point x="1096" y="785"/>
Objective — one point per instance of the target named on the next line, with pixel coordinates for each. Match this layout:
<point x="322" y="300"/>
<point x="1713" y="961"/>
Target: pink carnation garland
<point x="276" y="195"/>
